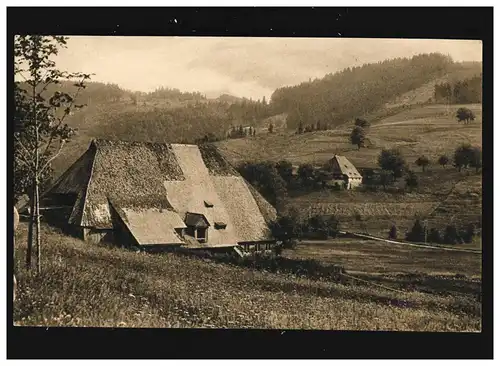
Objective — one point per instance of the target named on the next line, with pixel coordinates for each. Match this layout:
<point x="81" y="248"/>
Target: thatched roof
<point x="148" y="179"/>
<point x="341" y="166"/>
<point x="152" y="226"/>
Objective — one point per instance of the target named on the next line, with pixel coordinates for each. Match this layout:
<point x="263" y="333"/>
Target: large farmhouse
<point x="345" y="171"/>
<point x="158" y="195"/>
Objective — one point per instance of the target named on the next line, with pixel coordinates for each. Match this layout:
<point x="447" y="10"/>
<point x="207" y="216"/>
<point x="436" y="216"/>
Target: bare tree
<point x="39" y="129"/>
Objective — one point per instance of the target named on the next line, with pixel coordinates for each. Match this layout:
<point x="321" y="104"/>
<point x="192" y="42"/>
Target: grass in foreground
<point x="89" y="285"/>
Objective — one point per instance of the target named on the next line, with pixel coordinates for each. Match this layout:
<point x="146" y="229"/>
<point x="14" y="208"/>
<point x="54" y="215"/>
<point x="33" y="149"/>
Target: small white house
<point x="343" y="169"/>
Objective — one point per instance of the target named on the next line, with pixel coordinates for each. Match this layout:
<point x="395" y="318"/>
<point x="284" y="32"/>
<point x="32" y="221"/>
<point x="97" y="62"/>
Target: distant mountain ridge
<point x="357" y="91"/>
<point x="170" y="115"/>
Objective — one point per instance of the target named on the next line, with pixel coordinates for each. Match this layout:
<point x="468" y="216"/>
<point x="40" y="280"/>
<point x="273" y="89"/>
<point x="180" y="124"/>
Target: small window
<point x="219" y="225"/>
<point x="201" y="234"/>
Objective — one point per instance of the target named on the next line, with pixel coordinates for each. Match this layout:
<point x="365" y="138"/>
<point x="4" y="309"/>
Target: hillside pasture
<point x="95" y="285"/>
<point x="429" y="130"/>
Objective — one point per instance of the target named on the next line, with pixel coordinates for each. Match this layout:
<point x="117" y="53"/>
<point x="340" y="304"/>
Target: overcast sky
<point x="248" y="67"/>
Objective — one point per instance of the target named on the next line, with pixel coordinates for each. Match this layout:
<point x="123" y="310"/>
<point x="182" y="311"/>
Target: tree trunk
<point x="36" y="212"/>
<point x="37" y="217"/>
<point x="30" y="229"/>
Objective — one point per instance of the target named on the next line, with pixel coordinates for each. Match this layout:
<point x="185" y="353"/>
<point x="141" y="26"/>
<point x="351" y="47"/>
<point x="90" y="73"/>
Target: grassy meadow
<point x="96" y="285"/>
<point x="431" y="130"/>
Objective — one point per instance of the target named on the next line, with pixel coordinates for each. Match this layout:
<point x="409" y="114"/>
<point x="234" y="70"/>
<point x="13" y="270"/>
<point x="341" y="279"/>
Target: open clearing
<point x="89" y="285"/>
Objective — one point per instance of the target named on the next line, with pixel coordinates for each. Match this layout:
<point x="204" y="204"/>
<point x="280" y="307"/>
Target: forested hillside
<point x="169" y="115"/>
<point x="181" y="125"/>
<point x="359" y="90"/>
<point x="461" y="91"/>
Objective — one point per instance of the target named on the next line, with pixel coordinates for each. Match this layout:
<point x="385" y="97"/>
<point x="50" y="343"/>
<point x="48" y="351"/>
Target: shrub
<point x="393" y="232"/>
<point x="417" y="232"/>
<point x="423" y="161"/>
<point x="327" y="225"/>
<point x="411" y="180"/>
<point x="434" y="236"/>
<point x="465" y="114"/>
<point x="443" y="160"/>
<point x="386" y="178"/>
<point x="286" y="229"/>
<point x="468" y="233"/>
<point x="451" y="235"/>
<point x="465" y="155"/>
<point x="306" y="174"/>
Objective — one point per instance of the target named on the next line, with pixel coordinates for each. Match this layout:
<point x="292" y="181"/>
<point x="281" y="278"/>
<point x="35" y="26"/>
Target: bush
<point x="467" y="156"/>
<point x="465" y="114"/>
<point x="411" y="180"/>
<point x="324" y="225"/>
<point x="393" y="232"/>
<point x="451" y="235"/>
<point x="443" y="160"/>
<point x="417" y="232"/>
<point x="468" y="233"/>
<point x="434" y="236"/>
<point x="286" y="229"/>
<point x="423" y="161"/>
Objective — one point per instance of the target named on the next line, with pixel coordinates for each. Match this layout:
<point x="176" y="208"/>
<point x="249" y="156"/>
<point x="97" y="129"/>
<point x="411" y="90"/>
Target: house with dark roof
<point x="343" y="170"/>
<point x="159" y="195"/>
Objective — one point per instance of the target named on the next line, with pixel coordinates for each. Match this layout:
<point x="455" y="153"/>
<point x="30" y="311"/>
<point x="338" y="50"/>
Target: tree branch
<point x="60" y="120"/>
<point x="23" y="160"/>
<point x="52" y="158"/>
<point x="25" y="149"/>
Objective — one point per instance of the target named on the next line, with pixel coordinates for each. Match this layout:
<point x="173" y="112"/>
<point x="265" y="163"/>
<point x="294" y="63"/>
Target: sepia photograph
<point x="279" y="183"/>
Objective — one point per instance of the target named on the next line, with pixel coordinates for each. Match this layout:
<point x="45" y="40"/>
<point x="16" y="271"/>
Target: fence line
<point x="412" y="244"/>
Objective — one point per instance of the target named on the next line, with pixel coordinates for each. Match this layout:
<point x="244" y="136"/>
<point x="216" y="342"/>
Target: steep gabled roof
<point x="130" y="173"/>
<point x="151" y="226"/>
<point x="340" y="165"/>
<point x="166" y="177"/>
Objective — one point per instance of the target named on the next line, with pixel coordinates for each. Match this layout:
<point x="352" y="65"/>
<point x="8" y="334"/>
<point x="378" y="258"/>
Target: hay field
<point x="89" y="285"/>
<point x="380" y="258"/>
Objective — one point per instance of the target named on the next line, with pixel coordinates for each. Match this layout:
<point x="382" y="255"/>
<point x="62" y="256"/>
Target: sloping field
<point x="375" y="218"/>
<point x="89" y="285"/>
<point x="367" y="209"/>
<point x="463" y="206"/>
<point x="376" y="257"/>
<point x="430" y="130"/>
